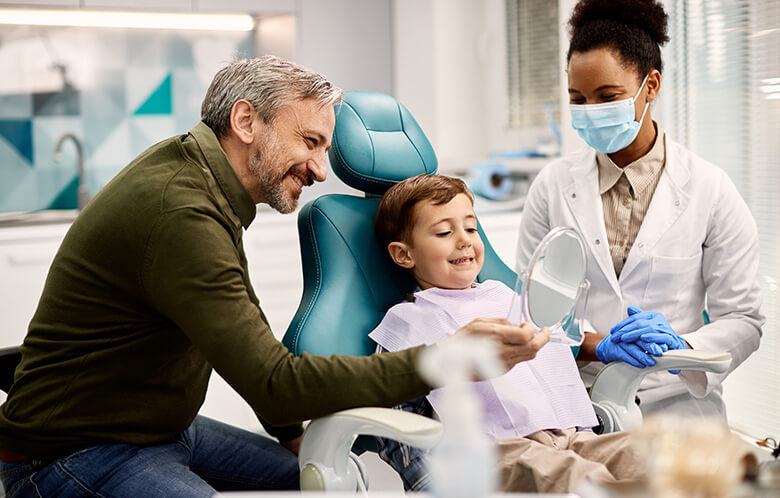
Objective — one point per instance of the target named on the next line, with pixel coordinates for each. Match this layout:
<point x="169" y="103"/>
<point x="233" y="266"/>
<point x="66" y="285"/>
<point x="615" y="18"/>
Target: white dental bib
<point x="543" y="393"/>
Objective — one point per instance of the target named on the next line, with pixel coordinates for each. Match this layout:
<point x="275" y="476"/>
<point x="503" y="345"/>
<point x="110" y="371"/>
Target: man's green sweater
<point x="150" y="291"/>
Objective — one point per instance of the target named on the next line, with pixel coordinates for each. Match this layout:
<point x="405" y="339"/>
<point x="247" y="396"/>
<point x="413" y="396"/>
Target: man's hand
<point x="293" y="444"/>
<point x="515" y="343"/>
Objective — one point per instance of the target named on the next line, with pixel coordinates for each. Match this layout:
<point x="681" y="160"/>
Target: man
<point x="150" y="291"/>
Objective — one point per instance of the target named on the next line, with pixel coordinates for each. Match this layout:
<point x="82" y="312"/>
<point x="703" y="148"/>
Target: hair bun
<point x="647" y="15"/>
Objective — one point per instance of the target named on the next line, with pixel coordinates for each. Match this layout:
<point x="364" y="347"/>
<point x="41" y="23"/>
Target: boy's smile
<point x="446" y="250"/>
<point x="463" y="261"/>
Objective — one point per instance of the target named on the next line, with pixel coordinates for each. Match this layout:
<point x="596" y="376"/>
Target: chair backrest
<point x="349" y="281"/>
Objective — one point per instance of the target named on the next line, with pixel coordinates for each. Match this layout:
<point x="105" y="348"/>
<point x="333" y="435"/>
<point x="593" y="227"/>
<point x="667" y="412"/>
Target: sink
<point x="44" y="217"/>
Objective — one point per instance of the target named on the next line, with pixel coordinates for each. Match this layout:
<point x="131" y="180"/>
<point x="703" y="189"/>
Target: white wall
<point x="347" y="40"/>
<point x="450" y="71"/>
<point x="440" y="51"/>
<point x="570" y="141"/>
<point x="414" y="76"/>
<point x="350" y="42"/>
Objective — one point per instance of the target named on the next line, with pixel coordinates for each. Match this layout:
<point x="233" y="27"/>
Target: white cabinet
<point x="25" y="256"/>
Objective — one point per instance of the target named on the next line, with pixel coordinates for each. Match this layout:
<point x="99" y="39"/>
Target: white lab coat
<point x="698" y="239"/>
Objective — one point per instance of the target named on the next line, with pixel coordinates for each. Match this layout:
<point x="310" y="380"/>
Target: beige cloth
<point x="625" y="196"/>
<point x="555" y="461"/>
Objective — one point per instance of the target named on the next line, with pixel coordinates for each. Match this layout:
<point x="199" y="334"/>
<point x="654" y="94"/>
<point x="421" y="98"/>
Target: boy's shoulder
<point x="410" y="324"/>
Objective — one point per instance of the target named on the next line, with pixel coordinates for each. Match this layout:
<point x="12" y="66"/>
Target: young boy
<point x="533" y="411"/>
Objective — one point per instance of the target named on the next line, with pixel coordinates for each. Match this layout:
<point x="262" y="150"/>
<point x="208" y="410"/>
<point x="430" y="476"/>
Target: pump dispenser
<point x="463" y="464"/>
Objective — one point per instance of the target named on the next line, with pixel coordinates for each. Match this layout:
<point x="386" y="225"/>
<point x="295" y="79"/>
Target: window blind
<point x="723" y="77"/>
<point x="532" y="62"/>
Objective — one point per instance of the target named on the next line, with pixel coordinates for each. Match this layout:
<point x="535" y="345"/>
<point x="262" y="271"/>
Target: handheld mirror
<point x="552" y="291"/>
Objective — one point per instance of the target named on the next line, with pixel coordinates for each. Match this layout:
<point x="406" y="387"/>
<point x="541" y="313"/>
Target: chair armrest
<point x="614" y="388"/>
<point x="9" y="359"/>
<point x="324" y="452"/>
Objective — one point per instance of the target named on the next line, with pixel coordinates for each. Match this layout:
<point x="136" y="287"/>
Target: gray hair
<point x="268" y="83"/>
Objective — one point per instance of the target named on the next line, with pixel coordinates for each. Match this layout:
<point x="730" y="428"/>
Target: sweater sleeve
<point x="284" y="432"/>
<point x="192" y="274"/>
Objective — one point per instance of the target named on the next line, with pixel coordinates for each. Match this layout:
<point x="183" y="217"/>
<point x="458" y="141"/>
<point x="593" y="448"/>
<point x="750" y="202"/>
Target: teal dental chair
<point x="350" y="282"/>
<point x="348" y="278"/>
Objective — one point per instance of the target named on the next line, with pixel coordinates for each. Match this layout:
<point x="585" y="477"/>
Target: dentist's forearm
<point x="588" y="347"/>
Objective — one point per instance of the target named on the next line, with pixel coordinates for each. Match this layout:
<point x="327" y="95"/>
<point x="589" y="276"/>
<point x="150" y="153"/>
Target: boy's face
<point x="446" y="250"/>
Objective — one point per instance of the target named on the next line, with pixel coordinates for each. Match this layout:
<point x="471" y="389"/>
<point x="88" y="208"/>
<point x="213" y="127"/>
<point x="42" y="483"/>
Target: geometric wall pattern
<point x="18" y="134"/>
<point x="117" y="91"/>
<point x="160" y="101"/>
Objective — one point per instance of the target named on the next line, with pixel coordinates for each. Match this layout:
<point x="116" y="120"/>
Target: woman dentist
<point x="668" y="234"/>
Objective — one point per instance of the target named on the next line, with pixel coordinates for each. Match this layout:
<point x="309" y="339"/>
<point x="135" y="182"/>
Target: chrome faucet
<point x="83" y="194"/>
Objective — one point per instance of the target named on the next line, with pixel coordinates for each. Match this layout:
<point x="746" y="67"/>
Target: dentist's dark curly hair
<point x="633" y="29"/>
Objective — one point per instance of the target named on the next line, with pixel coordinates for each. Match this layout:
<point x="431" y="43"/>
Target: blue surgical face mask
<point x="608" y="127"/>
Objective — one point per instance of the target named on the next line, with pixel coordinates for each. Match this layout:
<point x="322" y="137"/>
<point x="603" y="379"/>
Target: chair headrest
<point x="377" y="143"/>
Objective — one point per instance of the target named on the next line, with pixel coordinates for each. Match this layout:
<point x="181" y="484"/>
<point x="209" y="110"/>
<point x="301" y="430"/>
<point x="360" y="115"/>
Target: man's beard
<point x="263" y="163"/>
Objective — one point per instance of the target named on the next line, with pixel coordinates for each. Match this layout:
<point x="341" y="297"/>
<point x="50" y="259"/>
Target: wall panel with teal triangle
<point x="118" y="91"/>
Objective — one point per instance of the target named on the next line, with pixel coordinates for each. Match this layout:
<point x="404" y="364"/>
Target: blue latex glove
<point x="608" y="350"/>
<point x="650" y="327"/>
<point x="649" y="347"/>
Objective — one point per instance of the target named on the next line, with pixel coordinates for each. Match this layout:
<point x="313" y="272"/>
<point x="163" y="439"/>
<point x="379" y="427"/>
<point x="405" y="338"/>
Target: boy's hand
<point x="515" y="343"/>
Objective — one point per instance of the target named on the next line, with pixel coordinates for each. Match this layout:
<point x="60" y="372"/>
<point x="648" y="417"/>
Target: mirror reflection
<point x="554" y="280"/>
<point x="552" y="291"/>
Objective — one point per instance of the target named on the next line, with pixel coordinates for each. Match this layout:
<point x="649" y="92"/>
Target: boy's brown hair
<point x="395" y="217"/>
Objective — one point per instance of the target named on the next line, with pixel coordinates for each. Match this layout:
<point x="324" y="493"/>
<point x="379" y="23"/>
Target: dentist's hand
<point x="515" y="343"/>
<point x="650" y="327"/>
<point x="609" y="350"/>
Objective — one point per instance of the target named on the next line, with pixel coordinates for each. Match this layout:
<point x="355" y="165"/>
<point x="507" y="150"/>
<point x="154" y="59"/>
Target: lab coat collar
<point x="640" y="174"/>
<point x="677" y="167"/>
<point x="228" y="181"/>
<point x="584" y="201"/>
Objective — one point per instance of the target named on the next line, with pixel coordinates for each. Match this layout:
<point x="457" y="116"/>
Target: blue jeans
<point x="410" y="463"/>
<point x="206" y="458"/>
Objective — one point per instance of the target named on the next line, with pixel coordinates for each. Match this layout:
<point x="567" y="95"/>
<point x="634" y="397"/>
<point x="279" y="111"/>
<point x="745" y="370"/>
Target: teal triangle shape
<point x="68" y="197"/>
<point x="18" y="134"/>
<point x="160" y="101"/>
